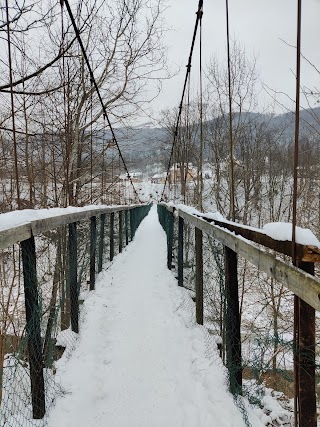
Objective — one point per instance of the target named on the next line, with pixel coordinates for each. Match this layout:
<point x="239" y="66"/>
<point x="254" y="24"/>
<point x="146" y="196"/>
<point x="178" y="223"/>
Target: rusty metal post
<point x="120" y="231"/>
<point x="93" y="243"/>
<point x="199" y="276"/>
<point x="33" y="327"/>
<point x="180" y="251"/>
<point x="233" y="337"/>
<point x="306" y="368"/>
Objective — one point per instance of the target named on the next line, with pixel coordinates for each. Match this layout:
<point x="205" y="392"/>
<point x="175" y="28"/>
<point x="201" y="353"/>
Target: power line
<point x="94" y="83"/>
<point x="199" y="14"/>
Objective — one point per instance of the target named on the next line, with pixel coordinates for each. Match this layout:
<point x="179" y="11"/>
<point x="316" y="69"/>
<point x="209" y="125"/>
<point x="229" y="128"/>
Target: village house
<point x="135" y="177"/>
<point x="189" y="171"/>
<point x="159" y="178"/>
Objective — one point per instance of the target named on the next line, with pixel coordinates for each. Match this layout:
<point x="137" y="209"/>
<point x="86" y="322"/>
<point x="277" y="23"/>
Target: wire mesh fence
<point x="43" y="282"/>
<point x="262" y="357"/>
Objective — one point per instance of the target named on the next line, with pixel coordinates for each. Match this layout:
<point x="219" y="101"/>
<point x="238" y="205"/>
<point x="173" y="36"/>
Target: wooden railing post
<point x="126" y="227"/>
<point x="180" y="251"/>
<point x="93" y="244"/>
<point x="73" y="277"/>
<point x="101" y="241"/>
<point x="199" y="276"/>
<point x="305" y="360"/>
<point x="232" y="322"/>
<point x="111" y="236"/>
<point x="33" y="327"/>
<point x="120" y="231"/>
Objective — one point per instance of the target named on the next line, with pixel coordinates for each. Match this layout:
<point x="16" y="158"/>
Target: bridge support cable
<point x="177" y="124"/>
<point x="186" y="143"/>
<point x="232" y="184"/>
<point x="233" y="338"/>
<point x="15" y="149"/>
<point x="296" y="136"/>
<point x="95" y="85"/>
<point x="200" y="163"/>
<point x="299" y="390"/>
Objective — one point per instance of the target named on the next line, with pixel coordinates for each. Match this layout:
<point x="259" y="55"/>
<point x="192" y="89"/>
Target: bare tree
<point x="55" y="99"/>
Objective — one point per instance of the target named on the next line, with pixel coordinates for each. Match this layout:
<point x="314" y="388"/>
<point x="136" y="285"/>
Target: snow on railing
<point x="60" y="251"/>
<point x="237" y="247"/>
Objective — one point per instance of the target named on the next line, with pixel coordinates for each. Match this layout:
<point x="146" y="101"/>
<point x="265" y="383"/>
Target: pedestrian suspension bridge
<point x="120" y="340"/>
<point x="142" y="316"/>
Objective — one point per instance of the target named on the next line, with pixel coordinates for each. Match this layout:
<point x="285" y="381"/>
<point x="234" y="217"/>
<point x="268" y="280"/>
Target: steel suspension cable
<point x="91" y="148"/>
<point x="296" y="321"/>
<point x="94" y="83"/>
<point x="232" y="190"/>
<point x="15" y="151"/>
<point x="296" y="139"/>
<point x="199" y="14"/>
<point x="185" y="145"/>
<point x="200" y="175"/>
<point x="65" y="111"/>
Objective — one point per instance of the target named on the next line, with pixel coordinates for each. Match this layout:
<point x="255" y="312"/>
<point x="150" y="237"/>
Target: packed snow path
<point x="141" y="359"/>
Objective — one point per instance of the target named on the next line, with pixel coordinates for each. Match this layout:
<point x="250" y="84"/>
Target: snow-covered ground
<point x="141" y="361"/>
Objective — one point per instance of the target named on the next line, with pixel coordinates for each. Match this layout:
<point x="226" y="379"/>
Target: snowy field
<point x="141" y="361"/>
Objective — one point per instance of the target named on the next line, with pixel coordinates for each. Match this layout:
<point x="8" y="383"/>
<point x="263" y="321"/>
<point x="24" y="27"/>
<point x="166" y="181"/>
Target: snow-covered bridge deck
<point x="141" y="360"/>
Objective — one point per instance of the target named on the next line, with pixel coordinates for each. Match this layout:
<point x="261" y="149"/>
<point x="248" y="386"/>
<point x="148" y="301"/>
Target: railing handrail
<point x="19" y="233"/>
<point x="298" y="279"/>
<point x="306" y="253"/>
<point x="24" y="231"/>
<point x="302" y="284"/>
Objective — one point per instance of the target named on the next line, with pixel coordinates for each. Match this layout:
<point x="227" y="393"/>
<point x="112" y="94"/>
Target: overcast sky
<point x="259" y="26"/>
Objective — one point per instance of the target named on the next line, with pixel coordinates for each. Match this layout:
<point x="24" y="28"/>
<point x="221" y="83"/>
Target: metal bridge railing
<point x="248" y="295"/>
<point x="43" y="282"/>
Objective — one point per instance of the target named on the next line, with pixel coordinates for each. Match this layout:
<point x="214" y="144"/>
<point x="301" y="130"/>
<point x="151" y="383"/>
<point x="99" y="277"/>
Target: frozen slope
<point x="141" y="360"/>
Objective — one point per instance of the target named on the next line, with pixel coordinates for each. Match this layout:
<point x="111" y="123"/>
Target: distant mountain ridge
<point x="149" y="142"/>
<point x="309" y="120"/>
